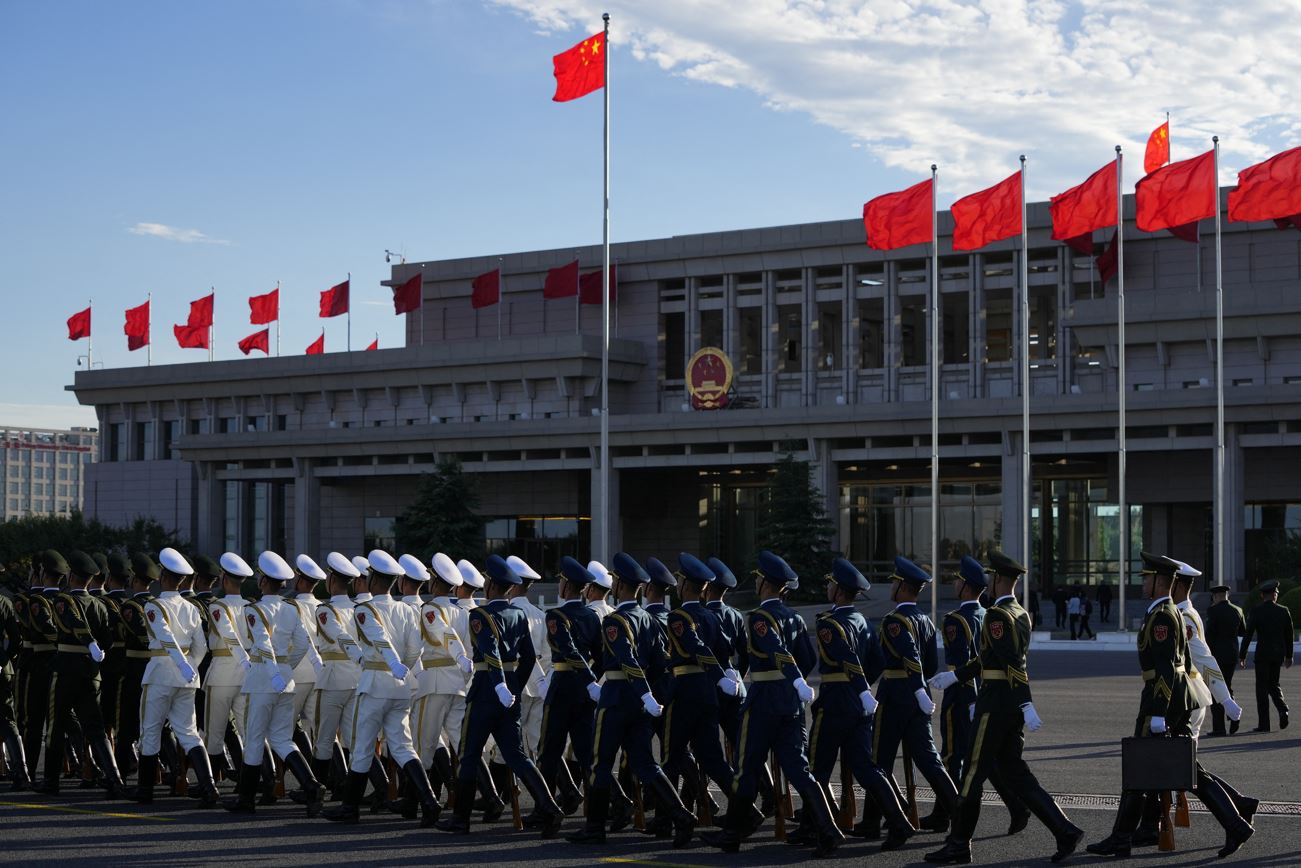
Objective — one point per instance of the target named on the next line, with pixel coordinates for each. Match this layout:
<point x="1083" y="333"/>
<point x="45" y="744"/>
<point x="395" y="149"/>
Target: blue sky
<point x="300" y="139"/>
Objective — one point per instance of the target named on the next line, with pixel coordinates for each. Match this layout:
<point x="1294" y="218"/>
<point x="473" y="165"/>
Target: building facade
<point x="828" y="344"/>
<point x="45" y="469"/>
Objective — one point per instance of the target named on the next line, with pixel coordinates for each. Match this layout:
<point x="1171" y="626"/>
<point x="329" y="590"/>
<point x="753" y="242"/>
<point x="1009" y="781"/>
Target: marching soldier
<point x="337" y="684"/>
<point x="1004" y="709"/>
<point x="1165" y="707"/>
<point x="443" y="710"/>
<point x="471" y="581"/>
<point x="36" y="612"/>
<point x="309" y="575"/>
<point x="1271" y="624"/>
<point x="116" y="579"/>
<point x="530" y="700"/>
<point x="596" y="591"/>
<point x="738" y="658"/>
<point x="230" y="661"/>
<point x="1225" y="625"/>
<point x="135" y="633"/>
<point x="11" y="641"/>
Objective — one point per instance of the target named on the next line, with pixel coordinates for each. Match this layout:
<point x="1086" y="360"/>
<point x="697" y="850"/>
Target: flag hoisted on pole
<point x="604" y="548"/>
<point x="1123" y="514"/>
<point x="936" y="385"/>
<point x="1221" y="576"/>
<point x="1026" y="488"/>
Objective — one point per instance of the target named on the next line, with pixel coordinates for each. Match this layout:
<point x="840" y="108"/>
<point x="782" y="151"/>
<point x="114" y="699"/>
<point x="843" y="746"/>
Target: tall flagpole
<point x="212" y="325"/>
<point x="90" y="336"/>
<point x="935" y="398"/>
<point x="1121" y="384"/>
<point x="1221" y="577"/>
<point x="149" y="330"/>
<point x="604" y="547"/>
<point x="278" y="319"/>
<point x="349" y="311"/>
<point x="1026" y="488"/>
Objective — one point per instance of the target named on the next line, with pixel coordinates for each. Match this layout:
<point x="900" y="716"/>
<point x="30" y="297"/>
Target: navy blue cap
<point x="722" y="575"/>
<point x="909" y="572"/>
<point x="500" y="572"/>
<point x="660" y="574"/>
<point x="775" y="570"/>
<point x="846" y="575"/>
<point x="695" y="570"/>
<point x="971" y="572"/>
<point x="575" y="572"/>
<point x="628" y="570"/>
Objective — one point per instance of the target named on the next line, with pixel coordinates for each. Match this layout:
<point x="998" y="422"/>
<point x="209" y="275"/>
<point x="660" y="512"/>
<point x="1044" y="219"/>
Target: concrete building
<point x="828" y="342"/>
<point x="45" y="469"/>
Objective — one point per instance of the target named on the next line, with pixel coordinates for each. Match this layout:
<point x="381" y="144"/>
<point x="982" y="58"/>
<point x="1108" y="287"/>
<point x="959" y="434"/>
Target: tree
<point x="794" y="524"/>
<point x="442" y="517"/>
<point x="22" y="538"/>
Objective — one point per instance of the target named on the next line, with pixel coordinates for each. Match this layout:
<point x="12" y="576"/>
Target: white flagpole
<point x="1121" y="386"/>
<point x="212" y="326"/>
<point x="604" y="547"/>
<point x="277" y="319"/>
<point x="935" y="397"/>
<point x="1026" y="487"/>
<point x="90" y="337"/>
<point x="1221" y="577"/>
<point x="149" y="330"/>
<point x="349" y="314"/>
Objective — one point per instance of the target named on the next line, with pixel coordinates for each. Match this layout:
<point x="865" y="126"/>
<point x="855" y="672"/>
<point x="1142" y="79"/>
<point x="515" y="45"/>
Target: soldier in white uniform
<point x="531" y="699"/>
<point x="307" y="671"/>
<point x="176" y="645"/>
<point x="389" y="641"/>
<point x="596" y="592"/>
<point x="225" y="677"/>
<point x="472" y="580"/>
<point x="277" y="643"/>
<point x="440" y="695"/>
<point x="336" y="686"/>
<point x="363" y="570"/>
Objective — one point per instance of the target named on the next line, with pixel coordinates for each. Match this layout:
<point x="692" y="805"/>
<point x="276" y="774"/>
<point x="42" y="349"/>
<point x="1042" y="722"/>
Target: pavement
<point x="1088" y="702"/>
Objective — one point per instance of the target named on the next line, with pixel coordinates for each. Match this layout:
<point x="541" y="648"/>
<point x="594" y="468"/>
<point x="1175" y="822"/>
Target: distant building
<point x="44" y="469"/>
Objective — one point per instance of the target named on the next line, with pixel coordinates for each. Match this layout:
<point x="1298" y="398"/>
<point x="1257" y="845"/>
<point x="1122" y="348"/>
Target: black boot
<point x="423" y="793"/>
<point x="235" y="748"/>
<point x="303" y="741"/>
<point x="17" y="762"/>
<point x="1128" y="816"/>
<point x="379" y="785"/>
<point x="1037" y="801"/>
<point x="598" y="811"/>
<point x="1246" y="805"/>
<point x="1236" y="830"/>
<point x="245" y="798"/>
<point x="348" y="810"/>
<point x="1148" y="833"/>
<point x="405" y="806"/>
<point x="684" y="822"/>
<point x="146" y="774"/>
<point x="954" y="852"/>
<point x="443" y="767"/>
<point x="549" y="813"/>
<point x="829" y="834"/>
<point x="268" y="777"/>
<point x="737" y="826"/>
<point x="494" y="805"/>
<point x="459" y="822"/>
<point x="312" y="794"/>
<point x="936" y="821"/>
<point x="338" y="772"/>
<point x="102" y="752"/>
<point x="620" y="809"/>
<point x="198" y="758"/>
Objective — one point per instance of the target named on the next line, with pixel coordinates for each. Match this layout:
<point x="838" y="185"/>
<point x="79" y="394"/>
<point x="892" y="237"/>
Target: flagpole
<point x="1220" y="574"/>
<point x="149" y="330"/>
<point x="1121" y="384"/>
<point x="1026" y="488"/>
<point x="212" y="324"/>
<point x="935" y="396"/>
<point x="604" y="547"/>
<point x="277" y="319"/>
<point x="349" y="314"/>
<point x="90" y="337"/>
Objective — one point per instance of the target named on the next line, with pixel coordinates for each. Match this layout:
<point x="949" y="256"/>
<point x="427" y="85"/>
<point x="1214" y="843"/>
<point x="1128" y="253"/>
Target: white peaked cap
<point x="446" y="569"/>
<point x="310" y="568"/>
<point x="602" y="575"/>
<point x="274" y="567"/>
<point x="235" y="565"/>
<point x="341" y="565"/>
<point x="362" y="565"/>
<point x="414" y="568"/>
<point x="1185" y="570"/>
<point x="382" y="562"/>
<point x="174" y="562"/>
<point x="521" y="566"/>
<point x="470" y="573"/>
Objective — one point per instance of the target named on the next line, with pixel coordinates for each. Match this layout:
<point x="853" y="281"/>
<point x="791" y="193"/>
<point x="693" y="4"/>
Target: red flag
<point x="374" y="345"/>
<point x="191" y="337"/>
<point x="406" y="298"/>
<point x="1081" y="244"/>
<point x="1268" y="191"/>
<point x="136" y="328"/>
<point x="256" y="341"/>
<point x="1293" y="222"/>
<point x="988" y="216"/>
<point x="1090" y="206"/>
<point x="201" y="312"/>
<point x="1190" y="232"/>
<point x="589" y="286"/>
<point x="334" y="301"/>
<point x="263" y="309"/>
<point x="486" y="289"/>
<point x="1158" y="149"/>
<point x="1109" y="261"/>
<point x="79" y="325"/>
<point x="900" y="219"/>
<point x="316" y="347"/>
<point x="1177" y="194"/>
<point x="581" y="69"/>
<point x="562" y="282"/>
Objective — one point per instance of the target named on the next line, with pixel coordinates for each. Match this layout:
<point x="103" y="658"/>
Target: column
<point x="210" y="519"/>
<point x="307" y="507"/>
<point x="1235" y="563"/>
<point x="616" y="526"/>
<point x="1013" y="508"/>
<point x="827" y="477"/>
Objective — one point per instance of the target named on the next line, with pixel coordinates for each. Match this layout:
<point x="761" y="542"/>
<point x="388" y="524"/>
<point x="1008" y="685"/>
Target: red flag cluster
<point x="197" y="331"/>
<point x="136" y="327"/>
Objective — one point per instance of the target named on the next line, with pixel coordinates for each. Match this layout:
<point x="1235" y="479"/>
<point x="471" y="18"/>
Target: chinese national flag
<point x="191" y="337"/>
<point x="1268" y="191"/>
<point x="562" y="282"/>
<point x="486" y="289"/>
<point x="1158" y="149"/>
<point x="201" y="312"/>
<point x="1081" y="244"/>
<point x="581" y="69"/>
<point x="406" y="298"/>
<point x="263" y="309"/>
<point x="334" y="301"/>
<point x="79" y="325"/>
<point x="589" y="286"/>
<point x="988" y="216"/>
<point x="256" y="341"/>
<point x="1108" y="262"/>
<point x="1091" y="205"/>
<point x="900" y="219"/>
<point x="316" y="347"/>
<point x="136" y="328"/>
<point x="373" y="345"/>
<point x="1177" y="194"/>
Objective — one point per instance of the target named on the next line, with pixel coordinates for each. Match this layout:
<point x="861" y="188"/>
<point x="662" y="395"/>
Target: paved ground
<point x="1086" y="699"/>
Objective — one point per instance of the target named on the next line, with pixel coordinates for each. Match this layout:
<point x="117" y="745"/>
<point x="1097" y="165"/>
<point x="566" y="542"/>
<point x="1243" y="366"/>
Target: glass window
<point x="171" y="434"/>
<point x="540" y="540"/>
<point x="1043" y="322"/>
<point x="711" y="329"/>
<point x="144" y="441"/>
<point x="871" y="333"/>
<point x="830" y="319"/>
<point x="750" y="332"/>
<point x="380" y="533"/>
<point x="998" y="325"/>
<point x="673" y="340"/>
<point x="117" y="441"/>
<point x="790" y="334"/>
<point x="199" y="426"/>
<point x="912" y="329"/>
<point x="955" y="341"/>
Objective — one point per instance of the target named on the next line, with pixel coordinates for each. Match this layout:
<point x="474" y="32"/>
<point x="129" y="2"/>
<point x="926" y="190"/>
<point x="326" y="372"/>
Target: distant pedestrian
<point x="1271" y="624"/>
<point x="1104" y="602"/>
<point x="1086" y="612"/>
<point x="1073" y="611"/>
<point x="1225" y="625"/>
<point x="1059" y="603"/>
<point x="1034" y="609"/>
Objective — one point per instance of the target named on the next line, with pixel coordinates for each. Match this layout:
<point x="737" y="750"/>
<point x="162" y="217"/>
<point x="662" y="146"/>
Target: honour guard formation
<point x="384" y="683"/>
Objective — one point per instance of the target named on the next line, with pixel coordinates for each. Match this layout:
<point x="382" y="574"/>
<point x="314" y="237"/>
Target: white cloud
<point x="972" y="85"/>
<point x="172" y="233"/>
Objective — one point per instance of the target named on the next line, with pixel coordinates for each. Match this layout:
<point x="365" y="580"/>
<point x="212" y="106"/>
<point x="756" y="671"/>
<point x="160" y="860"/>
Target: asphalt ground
<point x="1088" y="701"/>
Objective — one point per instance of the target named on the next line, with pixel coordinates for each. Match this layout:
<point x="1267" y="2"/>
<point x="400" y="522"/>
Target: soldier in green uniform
<point x="1271" y="624"/>
<point x="110" y="671"/>
<point x="39" y="637"/>
<point x="135" y="635"/>
<point x="11" y="640"/>
<point x="1225" y="625"/>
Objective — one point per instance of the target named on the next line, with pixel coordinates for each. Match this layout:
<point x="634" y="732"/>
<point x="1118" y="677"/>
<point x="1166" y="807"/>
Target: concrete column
<point x="210" y="520"/>
<point x="616" y="509"/>
<point x="827" y="478"/>
<point x="890" y="324"/>
<point x="1235" y="559"/>
<point x="1013" y="508"/>
<point x="769" y="340"/>
<point x="307" y="504"/>
<point x="809" y="339"/>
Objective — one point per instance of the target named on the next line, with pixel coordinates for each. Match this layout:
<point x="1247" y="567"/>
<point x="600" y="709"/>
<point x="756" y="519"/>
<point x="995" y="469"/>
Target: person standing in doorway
<point x="1073" y="611"/>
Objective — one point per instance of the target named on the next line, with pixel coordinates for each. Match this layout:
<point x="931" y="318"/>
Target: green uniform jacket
<point x="1001" y="664"/>
<point x="1271" y="624"/>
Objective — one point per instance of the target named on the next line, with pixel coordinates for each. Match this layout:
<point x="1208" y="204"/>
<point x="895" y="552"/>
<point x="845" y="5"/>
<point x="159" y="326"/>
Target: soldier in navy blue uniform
<point x="504" y="657"/>
<point x="772" y="715"/>
<point x="904" y="714"/>
<point x="662" y="582"/>
<point x="629" y="636"/>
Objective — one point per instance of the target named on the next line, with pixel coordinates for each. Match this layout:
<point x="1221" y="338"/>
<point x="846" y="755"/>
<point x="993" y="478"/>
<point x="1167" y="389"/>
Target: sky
<point x="174" y="149"/>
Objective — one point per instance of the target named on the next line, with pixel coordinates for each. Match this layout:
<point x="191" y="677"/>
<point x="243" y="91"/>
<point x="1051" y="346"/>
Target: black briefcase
<point x="1158" y="763"/>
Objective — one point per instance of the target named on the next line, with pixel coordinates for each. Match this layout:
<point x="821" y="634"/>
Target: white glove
<point x="733" y="674"/>
<point x="803" y="690"/>
<point x="924" y="701"/>
<point x="1232" y="709"/>
<point x="869" y="702"/>
<point x="594" y="691"/>
<point x="318" y="666"/>
<point x="186" y="670"/>
<point x="943" y="680"/>
<point x="1032" y="719"/>
<point x="96" y="653"/>
<point x="400" y="671"/>
<point x="278" y="683"/>
<point x="971" y="711"/>
<point x="728" y="686"/>
<point x="653" y="708"/>
<point x="247" y="664"/>
<point x="1158" y="725"/>
<point x="544" y="685"/>
<point x="465" y="664"/>
<point x="504" y="696"/>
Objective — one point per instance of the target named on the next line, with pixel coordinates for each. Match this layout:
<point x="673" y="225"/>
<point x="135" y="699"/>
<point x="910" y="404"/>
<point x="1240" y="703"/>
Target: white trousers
<point x="305" y="704"/>
<point x="173" y="705"/>
<point x="370" y="717"/>
<point x="332" y="707"/>
<point x="436" y="719"/>
<point x="218" y="705"/>
<point x="268" y="718"/>
<point x="531" y="709"/>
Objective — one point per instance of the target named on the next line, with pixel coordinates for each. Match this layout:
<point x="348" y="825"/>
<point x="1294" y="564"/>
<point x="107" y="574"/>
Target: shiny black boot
<point x="349" y="808"/>
<point x="311" y="794"/>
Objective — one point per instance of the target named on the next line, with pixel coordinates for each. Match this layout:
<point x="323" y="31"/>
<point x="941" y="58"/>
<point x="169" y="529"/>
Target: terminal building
<point x="826" y="342"/>
<point x="44" y="469"/>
